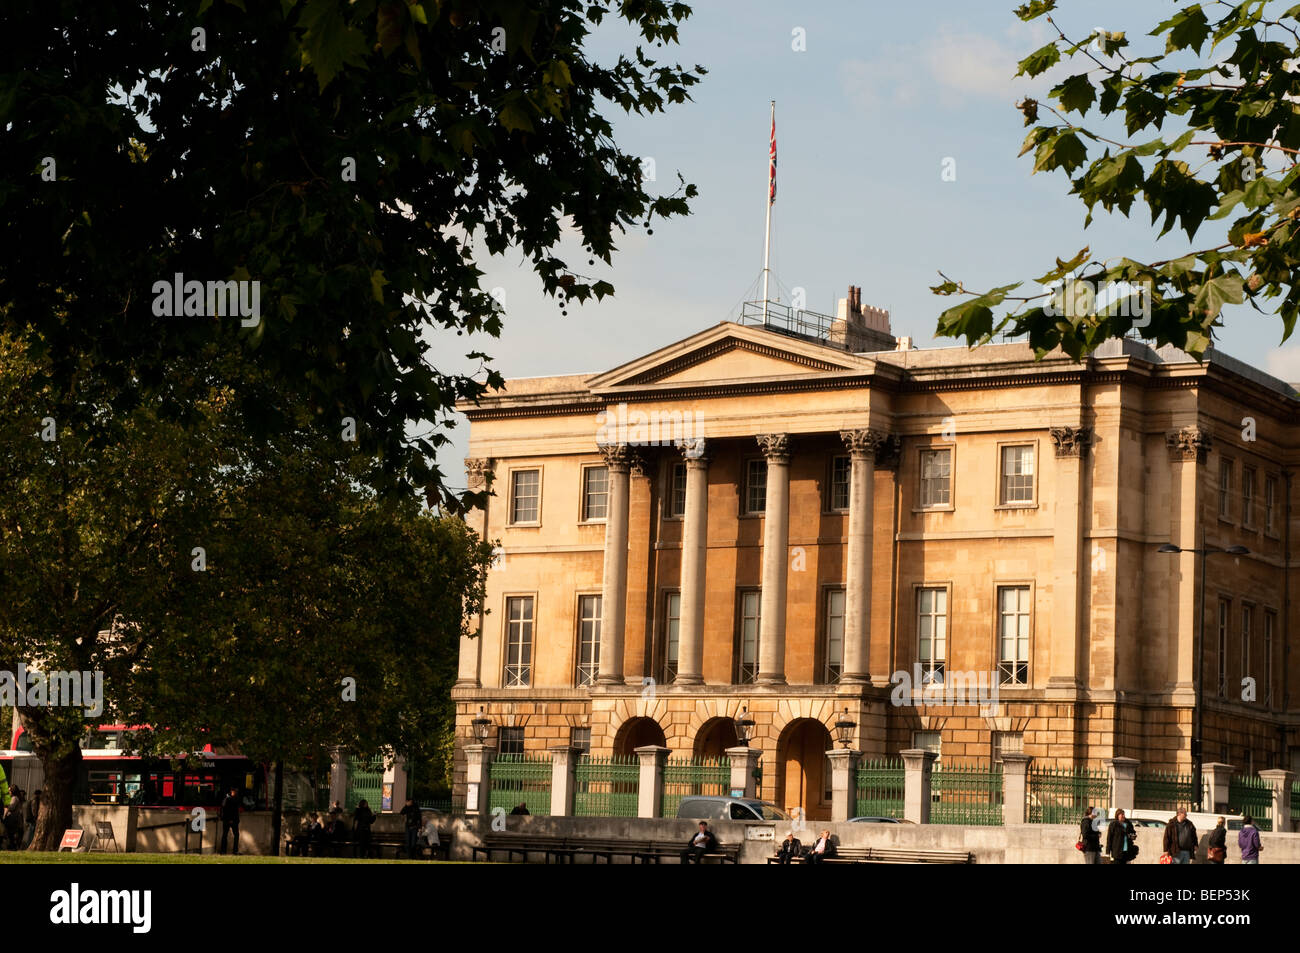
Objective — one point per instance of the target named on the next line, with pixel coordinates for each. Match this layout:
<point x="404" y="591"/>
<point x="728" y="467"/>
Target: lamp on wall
<point x="481" y="725"/>
<point x="744" y="727"/>
<point x="844" y="729"/>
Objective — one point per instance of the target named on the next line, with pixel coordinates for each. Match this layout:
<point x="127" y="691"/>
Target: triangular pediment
<point x="730" y="352"/>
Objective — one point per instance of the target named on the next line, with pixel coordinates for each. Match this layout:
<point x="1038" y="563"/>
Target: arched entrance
<point x="636" y="733"/>
<point x="714" y="738"/>
<point x="805" y="779"/>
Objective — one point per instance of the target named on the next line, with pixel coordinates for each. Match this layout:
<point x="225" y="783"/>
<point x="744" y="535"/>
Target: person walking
<point x="20" y="819"/>
<point x="1090" y="836"/>
<point x="412" y="814"/>
<point x="702" y="842"/>
<point x="1121" y="839"/>
<point x="33" y="814"/>
<point x="362" y="819"/>
<point x="1217" y="846"/>
<point x="230" y="819"/>
<point x="1248" y="840"/>
<point x="1180" y="838"/>
<point x="13" y="820"/>
<point x="790" y="849"/>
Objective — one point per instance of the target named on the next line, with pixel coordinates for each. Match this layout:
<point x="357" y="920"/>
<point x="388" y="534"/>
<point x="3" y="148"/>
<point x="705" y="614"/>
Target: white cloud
<point x="949" y="68"/>
<point x="1284" y="364"/>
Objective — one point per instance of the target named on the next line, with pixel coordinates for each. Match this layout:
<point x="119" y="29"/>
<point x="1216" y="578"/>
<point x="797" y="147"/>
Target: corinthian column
<point x="1069" y="631"/>
<point x="862" y="446"/>
<point x="478" y="471"/>
<point x="776" y="559"/>
<point x="613" y="600"/>
<point x="1188" y="450"/>
<point x="695" y="529"/>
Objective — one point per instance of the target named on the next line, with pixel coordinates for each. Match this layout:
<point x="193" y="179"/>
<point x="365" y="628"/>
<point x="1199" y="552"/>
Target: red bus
<point x="111" y="774"/>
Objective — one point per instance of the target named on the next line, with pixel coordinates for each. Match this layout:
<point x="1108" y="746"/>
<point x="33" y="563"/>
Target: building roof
<point x="708" y="360"/>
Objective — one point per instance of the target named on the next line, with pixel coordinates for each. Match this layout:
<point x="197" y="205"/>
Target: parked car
<point x="877" y="820"/>
<point x="730" y="809"/>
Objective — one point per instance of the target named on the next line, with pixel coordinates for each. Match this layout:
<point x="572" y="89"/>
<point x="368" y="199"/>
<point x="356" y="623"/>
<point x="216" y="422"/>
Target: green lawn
<point x="67" y="857"/>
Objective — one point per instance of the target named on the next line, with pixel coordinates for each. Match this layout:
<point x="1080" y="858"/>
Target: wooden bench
<point x="889" y="855"/>
<point x="379" y="842"/>
<point x="900" y="855"/>
<point x="843" y="855"/>
<point x="383" y="840"/>
<point x="569" y="849"/>
<point x="523" y="845"/>
<point x="648" y="852"/>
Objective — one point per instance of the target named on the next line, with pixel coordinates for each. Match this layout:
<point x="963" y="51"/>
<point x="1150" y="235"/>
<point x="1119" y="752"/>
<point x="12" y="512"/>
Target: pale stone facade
<point x="715" y="496"/>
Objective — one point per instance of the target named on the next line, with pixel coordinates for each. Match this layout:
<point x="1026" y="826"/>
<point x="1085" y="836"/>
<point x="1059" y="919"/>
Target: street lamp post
<point x="1198" y="677"/>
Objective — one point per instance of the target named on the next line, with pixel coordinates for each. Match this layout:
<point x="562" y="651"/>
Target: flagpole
<point x="767" y="237"/>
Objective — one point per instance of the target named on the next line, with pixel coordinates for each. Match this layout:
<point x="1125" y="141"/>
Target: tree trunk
<point x="56" y="798"/>
<point x="277" y="808"/>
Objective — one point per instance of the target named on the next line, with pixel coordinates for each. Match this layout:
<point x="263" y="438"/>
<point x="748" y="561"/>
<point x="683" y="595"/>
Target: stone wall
<point x="1018" y="844"/>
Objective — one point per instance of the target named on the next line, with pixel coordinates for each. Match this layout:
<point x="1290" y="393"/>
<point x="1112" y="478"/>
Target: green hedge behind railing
<point x="521" y="778"/>
<point x="966" y="793"/>
<point x="1061" y="795"/>
<point x="878" y="788"/>
<point x="693" y="777"/>
<point x="607" y="786"/>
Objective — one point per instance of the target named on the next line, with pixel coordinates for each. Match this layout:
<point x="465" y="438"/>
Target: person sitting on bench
<point x="701" y="843"/>
<point x="821" y="850"/>
<point x="790" y="849"/>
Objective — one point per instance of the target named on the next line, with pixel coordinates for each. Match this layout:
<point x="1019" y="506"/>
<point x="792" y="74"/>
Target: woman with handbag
<point x="1121" y="839"/>
<point x="1217" y="849"/>
<point x="1090" y="836"/>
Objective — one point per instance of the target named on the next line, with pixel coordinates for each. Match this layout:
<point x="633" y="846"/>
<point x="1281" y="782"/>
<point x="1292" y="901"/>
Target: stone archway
<point x="714" y="738"/>
<point x="636" y="733"/>
<point x="803" y="777"/>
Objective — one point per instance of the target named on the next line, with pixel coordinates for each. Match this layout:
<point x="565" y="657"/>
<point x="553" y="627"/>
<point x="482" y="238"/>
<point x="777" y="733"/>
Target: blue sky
<point x="866" y="116"/>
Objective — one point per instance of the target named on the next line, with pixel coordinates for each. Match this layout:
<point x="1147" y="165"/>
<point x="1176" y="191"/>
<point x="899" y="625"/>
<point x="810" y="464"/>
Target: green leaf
<point x="1215" y="293"/>
<point x="1063" y="268"/>
<point x="514" y="117"/>
<point x="973" y="320"/>
<point x="377" y="282"/>
<point x="1187" y="29"/>
<point x="1035" y="137"/>
<point x="1040" y="60"/>
<point x="1259" y="192"/>
<point x="1064" y="151"/>
<point x="1111" y="87"/>
<point x="1227" y="203"/>
<point x="329" y="43"/>
<point x="1035" y="8"/>
<point x="1076" y="94"/>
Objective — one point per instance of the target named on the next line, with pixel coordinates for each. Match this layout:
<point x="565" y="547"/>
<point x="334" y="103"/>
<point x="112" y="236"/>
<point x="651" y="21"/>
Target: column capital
<point x="478" y="471"/>
<point x="1071" y="441"/>
<point x="775" y="446"/>
<point x="696" y="451"/>
<point x="1189" y="443"/>
<point x="619" y="457"/>
<point x="863" y="442"/>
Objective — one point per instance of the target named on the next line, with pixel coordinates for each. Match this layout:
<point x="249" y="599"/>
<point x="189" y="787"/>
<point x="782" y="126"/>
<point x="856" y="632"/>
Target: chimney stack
<point x="858" y="328"/>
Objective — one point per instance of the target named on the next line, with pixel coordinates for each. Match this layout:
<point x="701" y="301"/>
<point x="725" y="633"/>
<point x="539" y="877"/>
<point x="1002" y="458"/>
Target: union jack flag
<point x="771" y="166"/>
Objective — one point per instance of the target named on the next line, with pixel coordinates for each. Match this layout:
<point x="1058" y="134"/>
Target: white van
<point x="1204" y="823"/>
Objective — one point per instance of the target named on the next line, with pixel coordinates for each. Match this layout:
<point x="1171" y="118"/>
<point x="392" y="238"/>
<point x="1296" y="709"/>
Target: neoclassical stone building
<point x="786" y="522"/>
